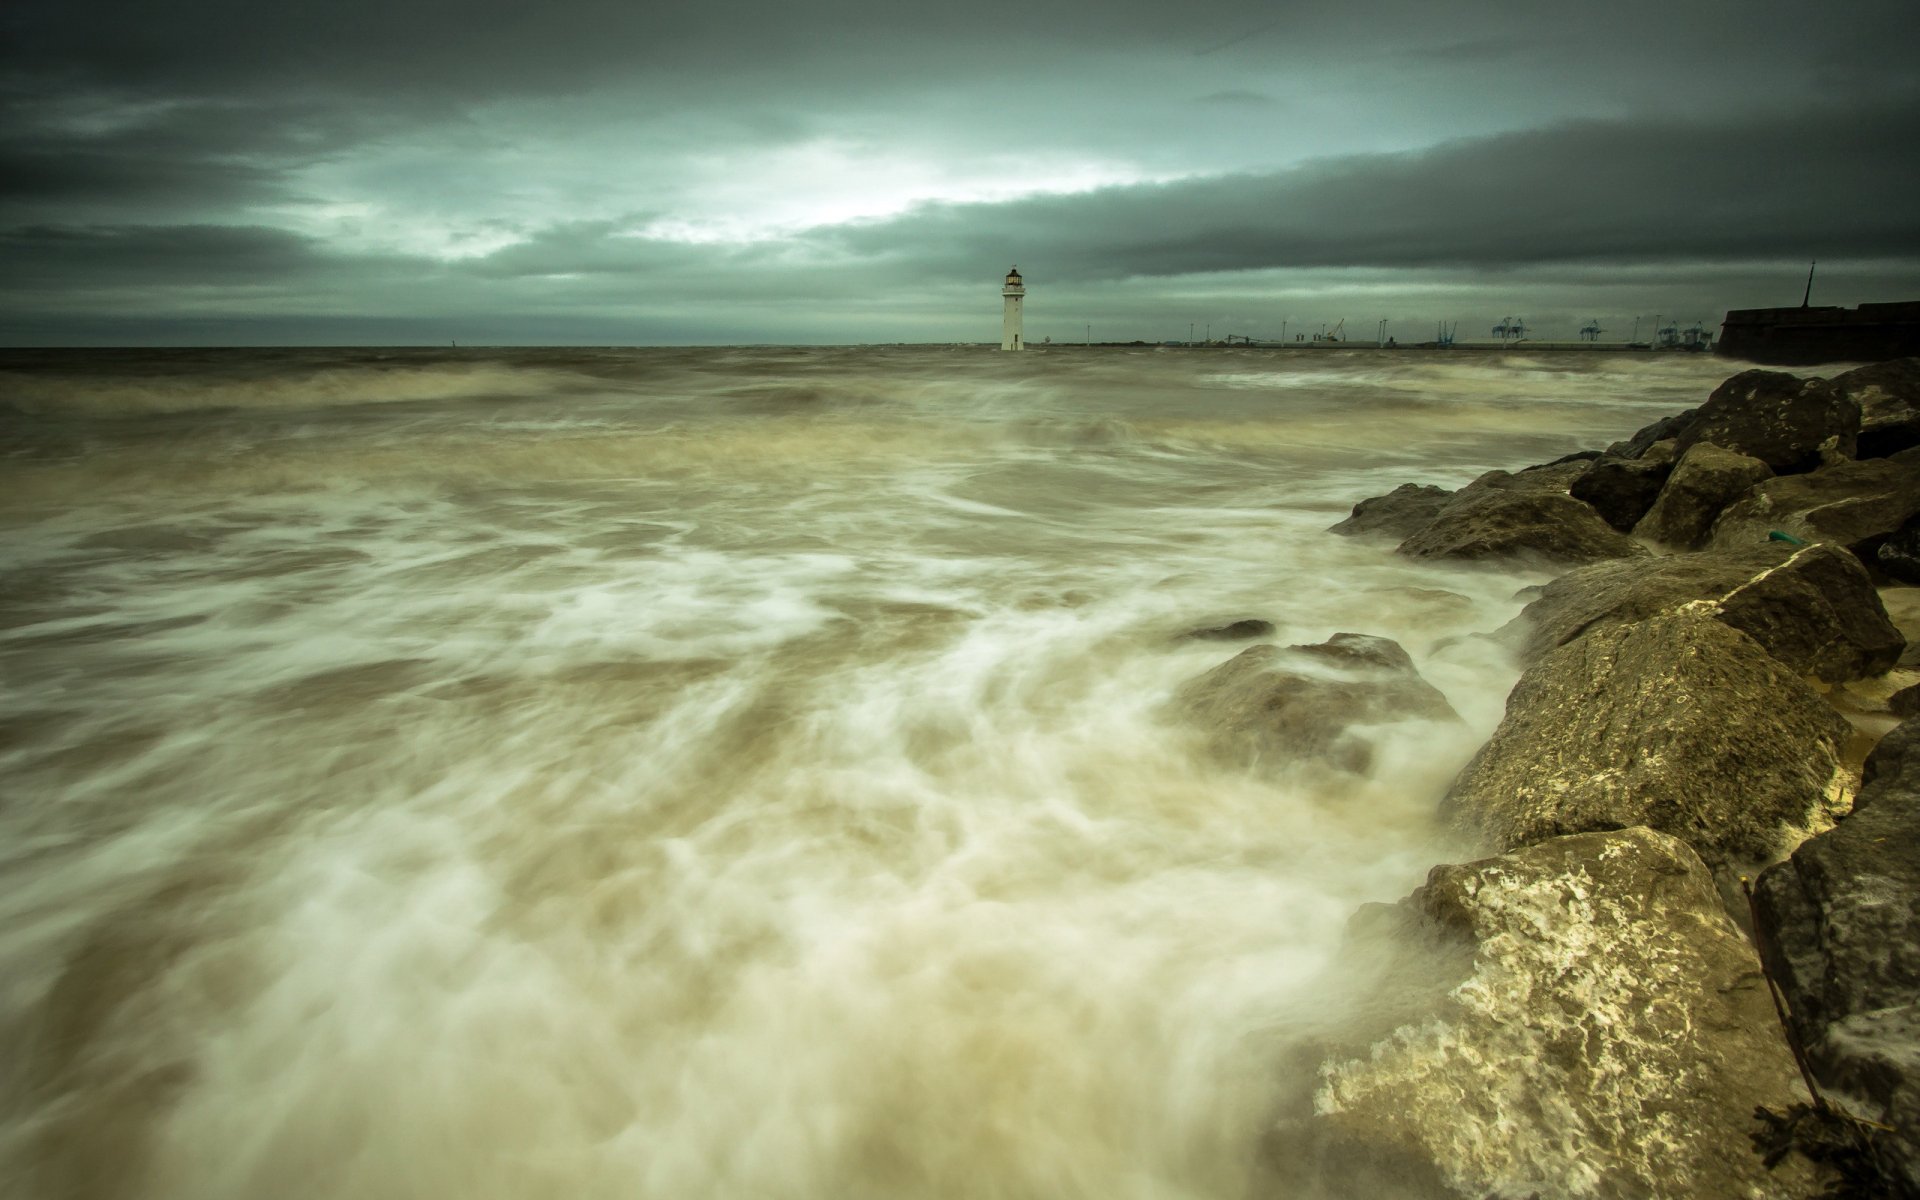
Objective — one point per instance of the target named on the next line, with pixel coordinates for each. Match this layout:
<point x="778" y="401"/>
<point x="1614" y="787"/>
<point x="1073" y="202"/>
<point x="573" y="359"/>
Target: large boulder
<point x="1818" y="613"/>
<point x="1400" y="513"/>
<point x="1620" y="592"/>
<point x="1778" y="418"/>
<point x="1621" y="490"/>
<point x="1610" y="1038"/>
<point x="1888" y="394"/>
<point x="1839" y="926"/>
<point x="1705" y="480"/>
<point x="1268" y="705"/>
<point x="1814" y="608"/>
<point x="1496" y="521"/>
<point x="1857" y="504"/>
<point x="1679" y="722"/>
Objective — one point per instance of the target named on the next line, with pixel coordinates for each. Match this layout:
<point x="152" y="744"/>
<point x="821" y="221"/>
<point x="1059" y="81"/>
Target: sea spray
<point x="665" y="773"/>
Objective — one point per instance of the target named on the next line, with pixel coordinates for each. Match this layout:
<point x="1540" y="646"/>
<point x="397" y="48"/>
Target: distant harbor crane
<point x="1591" y="331"/>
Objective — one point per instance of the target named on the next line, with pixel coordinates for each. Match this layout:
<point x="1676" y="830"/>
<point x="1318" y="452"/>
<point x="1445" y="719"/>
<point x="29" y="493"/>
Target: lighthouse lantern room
<point x="1010" y="297"/>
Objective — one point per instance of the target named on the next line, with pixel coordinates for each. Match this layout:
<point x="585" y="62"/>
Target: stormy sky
<point x="612" y="172"/>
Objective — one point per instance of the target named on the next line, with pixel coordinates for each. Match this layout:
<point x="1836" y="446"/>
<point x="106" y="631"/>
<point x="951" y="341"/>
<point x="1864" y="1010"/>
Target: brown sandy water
<point x="675" y="773"/>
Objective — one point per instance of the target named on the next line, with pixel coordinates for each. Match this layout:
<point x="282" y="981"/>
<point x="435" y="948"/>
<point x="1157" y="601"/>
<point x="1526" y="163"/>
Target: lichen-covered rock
<point x="1611" y="1038"/>
<point x="1678" y="722"/>
<point x="1839" y="924"/>
<point x="1778" y="418"/>
<point x="1268" y="705"/>
<point x="1400" y="513"/>
<point x="1705" y="480"/>
<point x="1499" y="522"/>
<point x="1621" y="490"/>
<point x="1857" y="504"/>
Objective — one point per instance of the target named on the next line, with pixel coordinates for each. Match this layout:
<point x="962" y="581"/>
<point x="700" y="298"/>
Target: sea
<point x="718" y="772"/>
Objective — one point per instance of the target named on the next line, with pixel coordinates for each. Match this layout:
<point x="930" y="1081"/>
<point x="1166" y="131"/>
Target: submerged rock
<point x="1496" y="521"/>
<point x="1272" y="705"/>
<point x="1678" y="722"/>
<point x="1778" y="418"/>
<point x="1705" y="480"/>
<point x="1610" y="1038"/>
<point x="1400" y="513"/>
<point x="1233" y="631"/>
<point x="1839" y="924"/>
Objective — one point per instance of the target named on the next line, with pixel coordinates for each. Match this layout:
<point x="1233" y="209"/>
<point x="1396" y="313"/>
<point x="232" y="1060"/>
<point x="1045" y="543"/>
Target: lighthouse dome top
<point x="1013" y="277"/>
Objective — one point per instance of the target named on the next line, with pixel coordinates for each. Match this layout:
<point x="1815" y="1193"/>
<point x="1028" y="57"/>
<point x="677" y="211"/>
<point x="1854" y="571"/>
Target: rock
<point x="1778" y="418"/>
<point x="1818" y="614"/>
<point x="1250" y="627"/>
<point x="1556" y="476"/>
<point x="1576" y="456"/>
<point x="1497" y="521"/>
<point x="1678" y="722"/>
<point x="1889" y="397"/>
<point x="1882" y="389"/>
<point x="1400" y="513"/>
<point x="1610" y="1039"/>
<point x="1620" y="592"/>
<point x="1839" y="926"/>
<point x="1271" y="705"/>
<point x="1705" y="480"/>
<point x="1899" y="555"/>
<point x="1665" y="429"/>
<point x="1857" y="504"/>
<point x="1887" y="436"/>
<point x="1905" y="702"/>
<point x="1621" y="490"/>
<point x="1814" y="608"/>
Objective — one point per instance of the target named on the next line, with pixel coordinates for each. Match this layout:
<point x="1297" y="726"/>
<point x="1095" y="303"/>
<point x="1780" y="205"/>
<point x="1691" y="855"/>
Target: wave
<point x="107" y="395"/>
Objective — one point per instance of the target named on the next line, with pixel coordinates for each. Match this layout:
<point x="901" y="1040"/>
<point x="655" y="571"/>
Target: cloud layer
<point x="854" y="171"/>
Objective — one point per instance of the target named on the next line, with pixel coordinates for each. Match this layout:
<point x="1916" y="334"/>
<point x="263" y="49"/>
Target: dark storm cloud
<point x="80" y="257"/>
<point x="1833" y="184"/>
<point x="147" y="160"/>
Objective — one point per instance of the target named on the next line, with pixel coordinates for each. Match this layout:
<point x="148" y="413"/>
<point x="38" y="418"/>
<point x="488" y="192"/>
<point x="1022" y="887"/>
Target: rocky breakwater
<point x="1588" y="1015"/>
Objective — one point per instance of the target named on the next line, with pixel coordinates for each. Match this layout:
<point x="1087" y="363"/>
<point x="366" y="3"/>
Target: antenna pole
<point x="1806" y="299"/>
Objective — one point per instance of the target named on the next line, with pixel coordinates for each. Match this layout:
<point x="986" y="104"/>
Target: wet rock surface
<point x="1271" y="705"/>
<point x="1609" y="1037"/>
<point x="1839" y="924"/>
<point x="1677" y="722"/>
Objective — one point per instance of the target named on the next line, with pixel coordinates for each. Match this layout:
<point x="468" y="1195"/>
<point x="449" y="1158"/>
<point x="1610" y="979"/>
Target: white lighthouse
<point x="1010" y="297"/>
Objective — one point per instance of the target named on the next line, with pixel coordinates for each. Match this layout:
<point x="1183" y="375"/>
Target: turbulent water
<point x="687" y="773"/>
